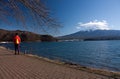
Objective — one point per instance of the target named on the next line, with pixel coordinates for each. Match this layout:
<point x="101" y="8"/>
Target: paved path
<point x="24" y="67"/>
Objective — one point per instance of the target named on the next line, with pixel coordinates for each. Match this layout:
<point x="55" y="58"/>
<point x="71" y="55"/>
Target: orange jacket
<point x="17" y="39"/>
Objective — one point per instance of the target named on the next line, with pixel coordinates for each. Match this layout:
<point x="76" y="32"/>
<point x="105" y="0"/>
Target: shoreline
<point x="107" y="73"/>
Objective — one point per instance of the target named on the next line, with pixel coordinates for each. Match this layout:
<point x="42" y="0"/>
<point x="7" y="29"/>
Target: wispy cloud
<point x="93" y="25"/>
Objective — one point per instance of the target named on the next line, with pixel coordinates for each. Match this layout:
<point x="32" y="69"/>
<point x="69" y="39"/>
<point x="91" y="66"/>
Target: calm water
<point x="97" y="54"/>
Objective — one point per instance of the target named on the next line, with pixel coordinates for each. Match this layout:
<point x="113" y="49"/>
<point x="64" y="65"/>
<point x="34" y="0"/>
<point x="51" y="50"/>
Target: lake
<point x="96" y="54"/>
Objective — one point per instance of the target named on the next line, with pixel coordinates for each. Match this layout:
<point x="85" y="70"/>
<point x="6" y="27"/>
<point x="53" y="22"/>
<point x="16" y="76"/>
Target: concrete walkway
<point x="25" y="67"/>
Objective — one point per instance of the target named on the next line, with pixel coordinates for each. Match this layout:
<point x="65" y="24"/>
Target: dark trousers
<point x="17" y="48"/>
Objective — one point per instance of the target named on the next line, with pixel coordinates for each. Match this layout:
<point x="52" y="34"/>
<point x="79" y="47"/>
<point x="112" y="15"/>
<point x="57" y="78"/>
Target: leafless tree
<point x="29" y="13"/>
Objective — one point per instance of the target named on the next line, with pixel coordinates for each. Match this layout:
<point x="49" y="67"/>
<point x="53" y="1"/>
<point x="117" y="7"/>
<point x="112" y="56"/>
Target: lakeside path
<point x="29" y="67"/>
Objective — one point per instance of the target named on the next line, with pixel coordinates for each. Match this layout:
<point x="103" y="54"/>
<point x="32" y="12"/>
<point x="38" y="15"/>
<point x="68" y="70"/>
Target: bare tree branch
<point x="28" y="11"/>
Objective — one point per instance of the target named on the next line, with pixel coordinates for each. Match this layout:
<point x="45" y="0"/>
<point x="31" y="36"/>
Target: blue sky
<point x="76" y="15"/>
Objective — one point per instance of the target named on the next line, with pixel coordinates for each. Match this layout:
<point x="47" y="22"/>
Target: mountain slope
<point x="93" y="35"/>
<point x="6" y="35"/>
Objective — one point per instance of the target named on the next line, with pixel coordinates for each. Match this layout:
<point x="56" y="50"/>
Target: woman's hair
<point x="16" y="33"/>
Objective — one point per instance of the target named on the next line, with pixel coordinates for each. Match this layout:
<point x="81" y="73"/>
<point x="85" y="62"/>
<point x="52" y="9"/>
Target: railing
<point x="26" y="50"/>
